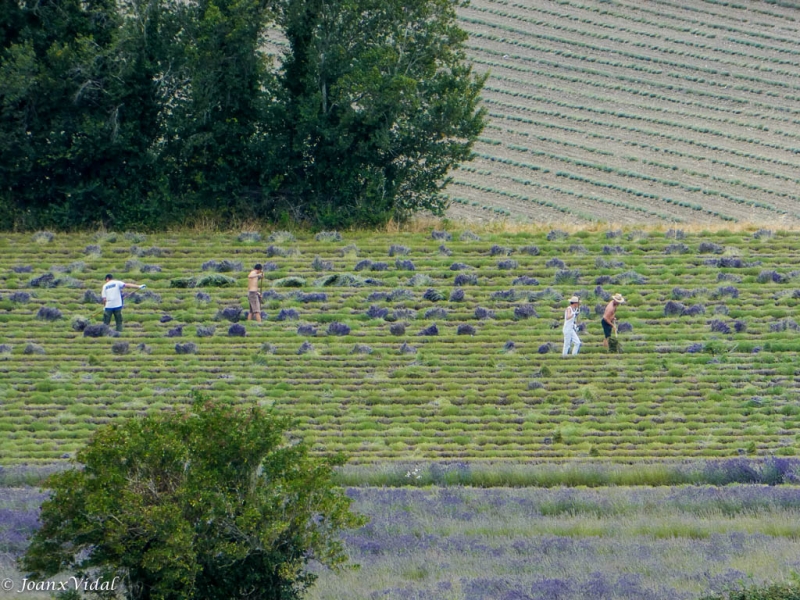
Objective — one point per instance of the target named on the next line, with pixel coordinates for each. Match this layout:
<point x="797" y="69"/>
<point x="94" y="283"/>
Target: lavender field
<point x="633" y="543"/>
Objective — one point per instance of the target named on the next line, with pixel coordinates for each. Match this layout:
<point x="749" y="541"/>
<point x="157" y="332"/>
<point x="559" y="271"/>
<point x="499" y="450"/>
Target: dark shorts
<point x="607" y="329"/>
<point x="255" y="302"/>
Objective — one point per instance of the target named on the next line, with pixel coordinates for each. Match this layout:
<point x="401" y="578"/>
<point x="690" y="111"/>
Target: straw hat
<point x="618" y="298"/>
<point x="574" y="300"/>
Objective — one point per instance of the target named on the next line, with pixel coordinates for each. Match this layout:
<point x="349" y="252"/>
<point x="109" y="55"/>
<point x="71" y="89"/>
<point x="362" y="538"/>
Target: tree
<point x="213" y="503"/>
<point x="376" y="105"/>
<point x="79" y="109"/>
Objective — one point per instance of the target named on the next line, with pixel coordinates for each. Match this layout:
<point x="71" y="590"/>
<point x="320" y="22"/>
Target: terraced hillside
<point x="413" y="346"/>
<point x="624" y="111"/>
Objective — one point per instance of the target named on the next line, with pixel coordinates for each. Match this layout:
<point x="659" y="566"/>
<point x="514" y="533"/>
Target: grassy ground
<point x="709" y="338"/>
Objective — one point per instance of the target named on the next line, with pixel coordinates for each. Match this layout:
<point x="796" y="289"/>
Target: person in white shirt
<point x="570" y="327"/>
<point x="112" y="299"/>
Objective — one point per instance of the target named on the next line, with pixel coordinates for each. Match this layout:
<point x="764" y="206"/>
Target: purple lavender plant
<point x="361" y="349"/>
<point x="377" y="296"/>
<point x="305" y="348"/>
<point x="530" y="250"/>
<point x="556" y="263"/>
<point x="190" y="347"/>
<point x="545" y="348"/>
<point x="382" y="266"/>
<point x="457" y="295"/>
<point x="79" y="324"/>
<point x="237" y="330"/>
<point x="22" y="297"/>
<point x="22" y="269"/>
<point x="613" y="234"/>
<point x="739" y="326"/>
<point x="5" y="349"/>
<point x="397" y="329"/>
<point x="500" y="251"/>
<point x="32" y="348"/>
<point x="507" y="265"/>
<point x="567" y="276"/>
<point x="673" y="308"/>
<point x="306" y="330"/>
<point x="311" y="297"/>
<point x="525" y="280"/>
<point x="694" y="310"/>
<point x="463" y="279"/>
<point x="229" y="313"/>
<point x="624" y="327"/>
<point x="176" y="332"/>
<point x="99" y="330"/>
<point x="525" y="311"/>
<point x="710" y="248"/>
<point x="337" y="328"/>
<point x="718" y="326"/>
<point x="677" y="249"/>
<point x="399" y="294"/>
<point x="441" y="236"/>
<point x="48" y="280"/>
<point x="288" y="314"/>
<point x="407" y="349"/>
<point x="771" y="277"/>
<point x="557" y="234"/>
<point x="613" y="250"/>
<point x="205" y="331"/>
<point x="445" y="251"/>
<point x="165" y="319"/>
<point x="694" y="348"/>
<point x="404" y="313"/>
<point x="120" y="348"/>
<point x="676" y="234"/>
<point x="464" y="329"/>
<point x="431" y="330"/>
<point x="436" y="313"/>
<point x="398" y="250"/>
<point x="271" y="295"/>
<point x="321" y="265"/>
<point x="328" y="236"/>
<point x="483" y="313"/>
<point x="376" y="312"/>
<point x="404" y="265"/>
<point x="507" y="295"/>
<point x="432" y="295"/>
<point x="47" y="313"/>
<point x="457" y="266"/>
<point x="202" y="297"/>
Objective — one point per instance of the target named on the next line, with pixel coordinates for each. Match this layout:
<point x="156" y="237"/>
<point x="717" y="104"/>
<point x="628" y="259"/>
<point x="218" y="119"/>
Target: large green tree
<point x="214" y="503"/>
<point x="377" y="103"/>
<point x="79" y="106"/>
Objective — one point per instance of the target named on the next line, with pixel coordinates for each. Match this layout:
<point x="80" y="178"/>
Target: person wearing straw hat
<point x="609" y="320"/>
<point x="571" y="327"/>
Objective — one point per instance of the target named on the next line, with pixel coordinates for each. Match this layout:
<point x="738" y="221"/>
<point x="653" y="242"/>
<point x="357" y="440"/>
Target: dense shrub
<point x="465" y="329"/>
<point x="397" y="329"/>
<point x="328" y="236"/>
<point x="463" y="279"/>
<point x="48" y="280"/>
<point x="407" y="349"/>
<point x="165" y="319"/>
<point x="457" y="266"/>
<point x="187" y="348"/>
<point x="457" y="295"/>
<point x="718" y="326"/>
<point x="205" y="330"/>
<point x="202" y="297"/>
<point x="500" y="251"/>
<point x="376" y="312"/>
<point x="305" y="348"/>
<point x="79" y="323"/>
<point x="361" y="349"/>
<point x="404" y="313"/>
<point x="31" y="348"/>
<point x="293" y="281"/>
<point x="337" y="328"/>
<point x="441" y="236"/>
<point x="420" y="279"/>
<point x="556" y="234"/>
<point x="710" y="248"/>
<point x="99" y="330"/>
<point x="509" y="346"/>
<point x="445" y="251"/>
<point x="311" y="297"/>
<point x="694" y="310"/>
<point x="25" y="297"/>
<point x="432" y="295"/>
<point x="483" y="313"/>
<point x="229" y="313"/>
<point x="307" y="330"/>
<point x="176" y="331"/>
<point x="567" y="277"/>
<point x="556" y="263"/>
<point x="281" y="237"/>
<point x="676" y="234"/>
<point x="237" y="330"/>
<point x="398" y="250"/>
<point x="223" y="266"/>
<point x="530" y="250"/>
<point x="404" y="265"/>
<point x="613" y="250"/>
<point x="673" y="308"/>
<point x="525" y="311"/>
<point x="120" y="348"/>
<point x="249" y="237"/>
<point x="363" y="265"/>
<point x="43" y="237"/>
<point x="767" y="276"/>
<point x="431" y="330"/>
<point x="321" y="265"/>
<point x="468" y="236"/>
<point x="677" y="249"/>
<point x="436" y="313"/>
<point x="525" y="280"/>
<point x="47" y="313"/>
<point x="287" y="314"/>
<point x="22" y="269"/>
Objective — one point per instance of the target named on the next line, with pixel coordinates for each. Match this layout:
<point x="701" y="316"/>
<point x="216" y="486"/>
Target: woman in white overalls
<point x="570" y="326"/>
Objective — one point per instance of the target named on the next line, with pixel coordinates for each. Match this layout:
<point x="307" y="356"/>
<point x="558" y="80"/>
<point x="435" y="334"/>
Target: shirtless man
<point x="253" y="295"/>
<point x="609" y="317"/>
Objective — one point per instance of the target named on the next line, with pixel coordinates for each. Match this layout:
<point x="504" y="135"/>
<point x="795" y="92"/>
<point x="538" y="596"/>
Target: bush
<point x="500" y="251"/>
<point x="398" y="250"/>
<point x="21" y="297"/>
<point x="306" y="330"/>
<point x="305" y="348"/>
<point x="328" y="236"/>
<point x="566" y="276"/>
<point x="406" y="349"/>
<point x="48" y="314"/>
<point x="431" y="330"/>
<point x="483" y="313"/>
<point x="468" y="236"/>
<point x="205" y="331"/>
<point x="224" y="266"/>
<point x="463" y="279"/>
<point x="557" y="234"/>
<point x="530" y="250"/>
<point x="507" y="265"/>
<point x="397" y="329"/>
<point x="363" y="265"/>
<point x="525" y="280"/>
<point x="79" y="323"/>
<point x="441" y="235"/>
<point x="361" y="349"/>
<point x="771" y="277"/>
<point x="436" y="313"/>
<point x="525" y="311"/>
<point x="202" y="297"/>
<point x="229" y="313"/>
<point x="287" y="314"/>
<point x="32" y="348"/>
<point x="120" y="348"/>
<point x="43" y="237"/>
<point x="99" y="330"/>
<point x="337" y="328"/>
<point x="457" y="295"/>
<point x="245" y="510"/>
<point x="465" y="330"/>
<point x="404" y="265"/>
<point x="215" y="280"/>
<point x="48" y="280"/>
<point x="433" y="295"/>
<point x="292" y="281"/>
<point x="321" y="265"/>
<point x="22" y="269"/>
<point x="237" y="330"/>
<point x="176" y="332"/>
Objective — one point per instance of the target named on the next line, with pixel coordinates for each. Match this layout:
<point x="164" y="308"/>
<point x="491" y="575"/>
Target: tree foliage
<point x="213" y="503"/>
<point x="143" y="112"/>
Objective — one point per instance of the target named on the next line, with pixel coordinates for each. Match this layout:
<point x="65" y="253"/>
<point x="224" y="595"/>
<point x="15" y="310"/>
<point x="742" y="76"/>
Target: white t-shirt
<point x="112" y="292"/>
